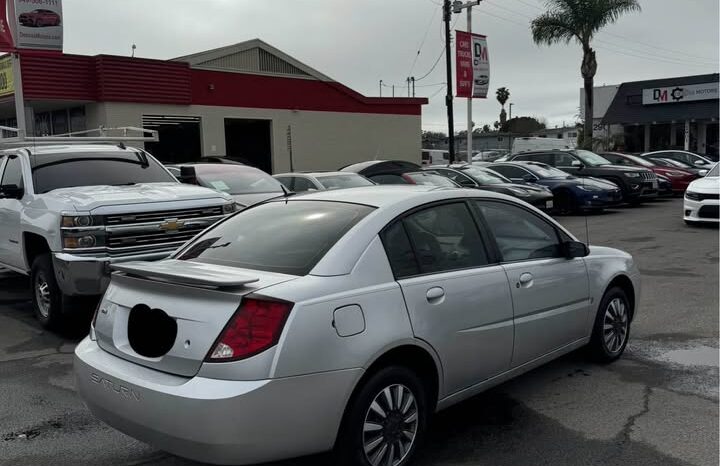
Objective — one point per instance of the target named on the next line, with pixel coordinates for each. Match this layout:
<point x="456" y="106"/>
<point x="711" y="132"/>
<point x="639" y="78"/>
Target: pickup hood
<point x="709" y="185"/>
<point x="87" y="198"/>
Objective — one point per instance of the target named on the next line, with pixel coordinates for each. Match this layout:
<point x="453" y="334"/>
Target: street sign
<point x="38" y="24"/>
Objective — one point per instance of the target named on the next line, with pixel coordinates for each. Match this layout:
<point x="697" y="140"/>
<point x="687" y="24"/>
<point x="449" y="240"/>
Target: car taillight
<point x="255" y="327"/>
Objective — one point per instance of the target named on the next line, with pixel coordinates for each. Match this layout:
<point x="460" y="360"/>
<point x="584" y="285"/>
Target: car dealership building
<point x="670" y="113"/>
<point x="248" y="101"/>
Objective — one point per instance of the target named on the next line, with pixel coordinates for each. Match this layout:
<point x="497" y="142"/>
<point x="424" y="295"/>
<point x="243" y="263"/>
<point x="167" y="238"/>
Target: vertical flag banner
<point x="463" y="64"/>
<point x="480" y="66"/>
<point x="6" y="38"/>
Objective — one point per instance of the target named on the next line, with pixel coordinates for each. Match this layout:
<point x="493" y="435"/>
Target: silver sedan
<point x="342" y="320"/>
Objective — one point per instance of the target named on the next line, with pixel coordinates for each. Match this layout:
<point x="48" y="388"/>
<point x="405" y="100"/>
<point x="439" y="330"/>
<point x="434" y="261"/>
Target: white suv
<point x="68" y="211"/>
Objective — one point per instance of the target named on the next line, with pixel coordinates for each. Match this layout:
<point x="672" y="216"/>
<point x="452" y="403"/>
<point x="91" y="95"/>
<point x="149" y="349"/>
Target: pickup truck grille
<point x="160" y="216"/>
<point x="117" y="242"/>
<point x="134" y="233"/>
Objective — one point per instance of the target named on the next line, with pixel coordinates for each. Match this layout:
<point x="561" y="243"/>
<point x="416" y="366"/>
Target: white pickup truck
<point x="69" y="211"/>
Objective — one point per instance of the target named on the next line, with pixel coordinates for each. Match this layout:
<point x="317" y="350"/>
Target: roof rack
<point x="101" y="135"/>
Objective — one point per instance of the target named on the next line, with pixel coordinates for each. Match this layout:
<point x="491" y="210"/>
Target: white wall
<point x="320" y="140"/>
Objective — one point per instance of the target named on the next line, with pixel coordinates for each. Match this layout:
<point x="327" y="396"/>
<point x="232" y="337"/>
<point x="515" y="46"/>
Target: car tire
<point x="47" y="298"/>
<point x="565" y="202"/>
<point x="366" y="433"/>
<point x="611" y="330"/>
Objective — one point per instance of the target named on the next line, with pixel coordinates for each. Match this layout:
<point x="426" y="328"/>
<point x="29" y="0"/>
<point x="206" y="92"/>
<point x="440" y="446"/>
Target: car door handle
<point x="526" y="280"/>
<point x="435" y="295"/>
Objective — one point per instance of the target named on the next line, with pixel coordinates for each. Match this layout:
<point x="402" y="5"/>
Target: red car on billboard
<point x="39" y="18"/>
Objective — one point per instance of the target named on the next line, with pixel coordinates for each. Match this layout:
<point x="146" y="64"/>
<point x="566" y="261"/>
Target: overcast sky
<point x="361" y="42"/>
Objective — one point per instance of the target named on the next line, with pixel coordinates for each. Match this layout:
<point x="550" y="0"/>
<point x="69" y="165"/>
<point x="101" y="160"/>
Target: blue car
<point x="572" y="194"/>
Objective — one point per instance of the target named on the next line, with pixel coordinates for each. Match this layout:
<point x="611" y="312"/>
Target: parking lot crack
<point x="630" y="423"/>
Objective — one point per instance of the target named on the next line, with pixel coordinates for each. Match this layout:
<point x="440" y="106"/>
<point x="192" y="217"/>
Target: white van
<point x="434" y="157"/>
<point x="527" y="144"/>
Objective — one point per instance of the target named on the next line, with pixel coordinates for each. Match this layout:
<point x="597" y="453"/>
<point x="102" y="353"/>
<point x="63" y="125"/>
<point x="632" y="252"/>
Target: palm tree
<point x="579" y="20"/>
<point x="502" y="95"/>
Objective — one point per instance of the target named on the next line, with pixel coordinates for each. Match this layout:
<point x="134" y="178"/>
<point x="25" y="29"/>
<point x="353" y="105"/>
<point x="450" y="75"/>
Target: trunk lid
<point x="167" y="315"/>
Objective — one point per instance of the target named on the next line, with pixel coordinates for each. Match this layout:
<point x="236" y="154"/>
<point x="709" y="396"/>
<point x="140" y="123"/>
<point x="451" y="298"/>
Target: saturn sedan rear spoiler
<point x="187" y="273"/>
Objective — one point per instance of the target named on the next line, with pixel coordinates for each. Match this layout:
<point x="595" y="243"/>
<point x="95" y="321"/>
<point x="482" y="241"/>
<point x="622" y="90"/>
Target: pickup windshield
<point x="55" y="171"/>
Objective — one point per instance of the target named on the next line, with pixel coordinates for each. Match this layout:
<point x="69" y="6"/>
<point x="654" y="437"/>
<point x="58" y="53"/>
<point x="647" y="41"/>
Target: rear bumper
<point x="210" y="420"/>
<point x="88" y="275"/>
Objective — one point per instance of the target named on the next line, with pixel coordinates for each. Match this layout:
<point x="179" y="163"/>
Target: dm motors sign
<point x="472" y="72"/>
<point x="37" y="24"/>
<point x="689" y="93"/>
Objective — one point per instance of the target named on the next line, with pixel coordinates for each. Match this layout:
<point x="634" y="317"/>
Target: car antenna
<point x="286" y="193"/>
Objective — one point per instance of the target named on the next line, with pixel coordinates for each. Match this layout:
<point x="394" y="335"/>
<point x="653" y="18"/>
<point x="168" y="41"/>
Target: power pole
<point x="449" y="96"/>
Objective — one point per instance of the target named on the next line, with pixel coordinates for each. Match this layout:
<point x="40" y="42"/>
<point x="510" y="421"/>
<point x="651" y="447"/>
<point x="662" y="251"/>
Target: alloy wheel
<point x="42" y="295"/>
<point x="390" y="427"/>
<point x="615" y="325"/>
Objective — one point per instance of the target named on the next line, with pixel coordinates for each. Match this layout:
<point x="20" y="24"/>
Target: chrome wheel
<point x="42" y="295"/>
<point x="615" y="325"/>
<point x="390" y="427"/>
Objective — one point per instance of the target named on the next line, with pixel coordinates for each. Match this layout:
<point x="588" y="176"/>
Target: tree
<point x="580" y="20"/>
<point x="524" y="125"/>
<point x="502" y="95"/>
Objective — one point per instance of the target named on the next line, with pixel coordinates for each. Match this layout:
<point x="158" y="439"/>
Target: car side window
<point x="519" y="234"/>
<point x="445" y="238"/>
<point x="459" y="178"/>
<point x="399" y="251"/>
<point x="564" y="160"/>
<point x="388" y="178"/>
<point x="302" y="184"/>
<point x="286" y="181"/>
<point x="13" y="173"/>
<point x="510" y="172"/>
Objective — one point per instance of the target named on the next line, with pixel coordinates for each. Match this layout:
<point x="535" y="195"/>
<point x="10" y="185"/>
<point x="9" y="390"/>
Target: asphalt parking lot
<point x="658" y="405"/>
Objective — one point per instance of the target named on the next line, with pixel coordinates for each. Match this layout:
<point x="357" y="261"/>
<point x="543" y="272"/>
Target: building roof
<point x="627" y="107"/>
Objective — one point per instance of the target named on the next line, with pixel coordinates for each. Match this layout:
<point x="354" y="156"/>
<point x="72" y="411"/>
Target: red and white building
<point x="247" y="100"/>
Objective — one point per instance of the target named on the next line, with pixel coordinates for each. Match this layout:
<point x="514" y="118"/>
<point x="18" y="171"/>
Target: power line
<point x="437" y="92"/>
<point x="619" y="36"/>
<point x="422" y="42"/>
<point x="442" y="52"/>
<point x="626" y="50"/>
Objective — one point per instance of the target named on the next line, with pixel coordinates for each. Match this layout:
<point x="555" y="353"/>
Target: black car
<point x="636" y="183"/>
<point x="571" y="193"/>
<point x="472" y="176"/>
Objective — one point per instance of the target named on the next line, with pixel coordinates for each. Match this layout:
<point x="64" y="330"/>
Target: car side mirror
<point x="530" y="178"/>
<point x="11" y="191"/>
<point x="573" y="249"/>
<point x="576" y="164"/>
<point x="699" y="163"/>
<point x="467" y="183"/>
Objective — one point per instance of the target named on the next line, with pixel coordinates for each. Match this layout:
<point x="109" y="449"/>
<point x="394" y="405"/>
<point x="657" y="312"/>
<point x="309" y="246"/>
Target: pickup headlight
<point x="519" y="192"/>
<point x="632" y="174"/>
<point x="230" y="208"/>
<point x="82" y="231"/>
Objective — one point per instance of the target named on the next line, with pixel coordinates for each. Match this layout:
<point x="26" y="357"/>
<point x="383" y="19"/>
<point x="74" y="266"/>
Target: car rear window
<point x="343" y="181"/>
<point x="237" y="179"/>
<point x="55" y="171"/>
<point x="283" y="237"/>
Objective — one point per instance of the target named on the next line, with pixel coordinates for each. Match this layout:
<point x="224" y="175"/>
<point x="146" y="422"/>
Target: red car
<point x="679" y="178"/>
<point x="39" y="18"/>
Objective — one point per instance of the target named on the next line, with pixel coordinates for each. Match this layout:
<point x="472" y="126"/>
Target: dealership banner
<point x="38" y="24"/>
<point x="681" y="93"/>
<point x="7" y="86"/>
<point x="472" y="65"/>
<point x="6" y="38"/>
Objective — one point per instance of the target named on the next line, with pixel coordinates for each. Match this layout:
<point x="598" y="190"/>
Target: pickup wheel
<point x="46" y="295"/>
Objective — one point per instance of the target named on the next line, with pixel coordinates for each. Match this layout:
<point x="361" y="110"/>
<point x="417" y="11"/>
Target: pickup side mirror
<point x="11" y="191"/>
<point x="572" y="249"/>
